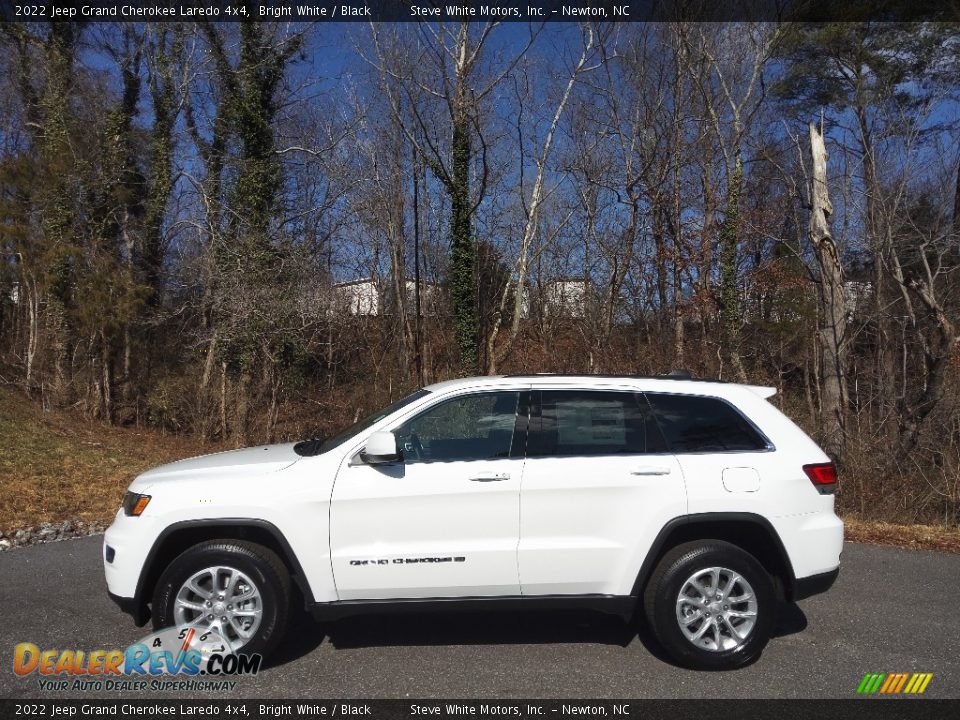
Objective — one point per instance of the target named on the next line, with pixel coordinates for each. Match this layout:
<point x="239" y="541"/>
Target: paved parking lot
<point x="891" y="611"/>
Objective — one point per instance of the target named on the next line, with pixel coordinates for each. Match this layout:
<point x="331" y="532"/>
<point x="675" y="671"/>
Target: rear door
<point x="598" y="485"/>
<point x="444" y="522"/>
<point x="724" y="457"/>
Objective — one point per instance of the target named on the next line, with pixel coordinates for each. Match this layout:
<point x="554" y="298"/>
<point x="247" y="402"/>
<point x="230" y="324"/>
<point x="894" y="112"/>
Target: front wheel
<point x="711" y="605"/>
<point x="238" y="588"/>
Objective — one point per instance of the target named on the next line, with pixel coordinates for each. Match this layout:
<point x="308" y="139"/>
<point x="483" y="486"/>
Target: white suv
<point x="697" y="502"/>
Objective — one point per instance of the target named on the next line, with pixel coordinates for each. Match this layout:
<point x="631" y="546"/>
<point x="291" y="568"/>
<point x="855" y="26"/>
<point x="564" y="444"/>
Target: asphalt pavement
<point x="892" y="610"/>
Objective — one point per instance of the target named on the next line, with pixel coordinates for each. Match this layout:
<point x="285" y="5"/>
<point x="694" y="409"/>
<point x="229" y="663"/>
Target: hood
<point x="245" y="463"/>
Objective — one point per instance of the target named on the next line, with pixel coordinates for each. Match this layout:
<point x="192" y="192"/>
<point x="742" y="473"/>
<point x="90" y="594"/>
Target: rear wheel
<point x="238" y="588"/>
<point x="711" y="605"/>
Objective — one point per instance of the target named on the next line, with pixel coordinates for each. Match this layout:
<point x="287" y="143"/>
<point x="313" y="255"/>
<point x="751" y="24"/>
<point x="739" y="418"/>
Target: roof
<point x="672" y="375"/>
<point x="673" y="382"/>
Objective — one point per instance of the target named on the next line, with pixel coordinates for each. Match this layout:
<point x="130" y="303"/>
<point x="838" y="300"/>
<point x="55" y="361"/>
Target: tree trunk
<point x="205" y="398"/>
<point x="106" y="363"/>
<point x="676" y="230"/>
<point x="658" y="230"/>
<point x="418" y="332"/>
<point x="885" y="356"/>
<point x="729" y="292"/>
<point x="678" y="316"/>
<point x="463" y="251"/>
<point x="938" y="344"/>
<point x="33" y="328"/>
<point x="705" y="304"/>
<point x="242" y="410"/>
<point x="832" y="306"/>
<point x="398" y="276"/>
<point x="223" y="401"/>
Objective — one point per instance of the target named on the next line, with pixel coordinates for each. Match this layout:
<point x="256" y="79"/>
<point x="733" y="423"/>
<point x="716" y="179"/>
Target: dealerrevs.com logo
<point x="171" y="659"/>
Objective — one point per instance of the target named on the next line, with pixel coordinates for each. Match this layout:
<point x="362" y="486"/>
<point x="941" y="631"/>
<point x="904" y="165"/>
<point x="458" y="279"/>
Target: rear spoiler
<point x="763" y="391"/>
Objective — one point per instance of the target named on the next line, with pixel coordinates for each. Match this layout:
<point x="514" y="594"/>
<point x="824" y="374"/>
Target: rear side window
<point x="575" y="422"/>
<point x="702" y="424"/>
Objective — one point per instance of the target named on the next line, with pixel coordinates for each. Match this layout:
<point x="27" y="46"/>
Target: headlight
<point x="134" y="504"/>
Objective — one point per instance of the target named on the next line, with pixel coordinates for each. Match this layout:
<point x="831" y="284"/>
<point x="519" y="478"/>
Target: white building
<point x="366" y="298"/>
<point x="357" y="297"/>
<point x="566" y="297"/>
<point x="856" y="297"/>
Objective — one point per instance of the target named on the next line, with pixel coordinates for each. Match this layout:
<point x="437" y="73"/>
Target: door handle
<point x="650" y="470"/>
<point x="490" y="477"/>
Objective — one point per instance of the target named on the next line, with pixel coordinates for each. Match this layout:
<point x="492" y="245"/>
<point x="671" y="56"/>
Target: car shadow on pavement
<point x="455" y="628"/>
<point x="790" y="620"/>
<point x="304" y="635"/>
<point x="481" y="628"/>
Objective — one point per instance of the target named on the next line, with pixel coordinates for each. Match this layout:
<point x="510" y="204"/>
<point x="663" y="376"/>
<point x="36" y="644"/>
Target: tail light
<point x="823" y="476"/>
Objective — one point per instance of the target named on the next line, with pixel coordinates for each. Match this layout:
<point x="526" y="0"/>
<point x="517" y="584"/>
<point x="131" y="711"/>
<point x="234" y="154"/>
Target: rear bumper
<point x="814" y="584"/>
<point x="813" y="542"/>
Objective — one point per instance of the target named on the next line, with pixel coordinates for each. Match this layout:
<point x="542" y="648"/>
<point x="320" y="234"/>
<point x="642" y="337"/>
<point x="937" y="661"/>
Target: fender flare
<point x="659" y="544"/>
<point x="138" y="607"/>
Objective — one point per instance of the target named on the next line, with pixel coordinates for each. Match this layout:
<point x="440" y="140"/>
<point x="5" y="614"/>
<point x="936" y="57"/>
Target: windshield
<point x="314" y="448"/>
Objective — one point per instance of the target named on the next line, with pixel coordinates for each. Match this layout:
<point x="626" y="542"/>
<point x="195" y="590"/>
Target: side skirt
<point x="620" y="605"/>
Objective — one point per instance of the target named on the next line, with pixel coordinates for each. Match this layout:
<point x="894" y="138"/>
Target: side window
<point x="581" y="422"/>
<point x="702" y="424"/>
<point x="469" y="427"/>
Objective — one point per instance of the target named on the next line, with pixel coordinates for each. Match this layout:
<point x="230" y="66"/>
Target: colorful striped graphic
<point x="894" y="683"/>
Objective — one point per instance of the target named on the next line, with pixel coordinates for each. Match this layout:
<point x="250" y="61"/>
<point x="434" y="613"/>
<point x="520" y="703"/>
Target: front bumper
<point x="132" y="607"/>
<point x="130" y="539"/>
<point x="126" y="547"/>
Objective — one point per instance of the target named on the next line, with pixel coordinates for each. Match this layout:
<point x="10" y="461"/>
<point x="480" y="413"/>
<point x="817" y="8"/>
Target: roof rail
<point x="672" y="375"/>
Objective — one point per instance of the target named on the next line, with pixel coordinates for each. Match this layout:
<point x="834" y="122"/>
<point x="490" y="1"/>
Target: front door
<point x="444" y="522"/>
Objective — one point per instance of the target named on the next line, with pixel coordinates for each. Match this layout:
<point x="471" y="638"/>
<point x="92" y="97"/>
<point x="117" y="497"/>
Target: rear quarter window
<point x="695" y="424"/>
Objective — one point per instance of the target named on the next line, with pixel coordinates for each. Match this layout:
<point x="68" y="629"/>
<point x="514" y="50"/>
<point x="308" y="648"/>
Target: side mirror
<point x="381" y="448"/>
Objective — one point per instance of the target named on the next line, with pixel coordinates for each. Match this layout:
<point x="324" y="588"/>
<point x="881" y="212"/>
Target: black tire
<point x="663" y="590"/>
<point x="261" y="565"/>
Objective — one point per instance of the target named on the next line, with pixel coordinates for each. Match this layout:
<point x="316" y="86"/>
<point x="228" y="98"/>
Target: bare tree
<point x="833" y="314"/>
<point x="729" y="75"/>
<point x="448" y="69"/>
<point x="515" y="288"/>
